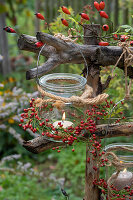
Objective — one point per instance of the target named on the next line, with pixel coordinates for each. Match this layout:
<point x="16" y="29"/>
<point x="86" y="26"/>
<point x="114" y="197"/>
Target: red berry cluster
<point x="33" y="118"/>
<point x="123" y="194"/>
<point x="122" y="38"/>
<point x="105" y="27"/>
<point x="101" y="6"/>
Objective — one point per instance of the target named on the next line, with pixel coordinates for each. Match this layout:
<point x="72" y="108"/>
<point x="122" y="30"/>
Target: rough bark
<point x="67" y="52"/>
<point x="92" y="73"/>
<point x="41" y="144"/>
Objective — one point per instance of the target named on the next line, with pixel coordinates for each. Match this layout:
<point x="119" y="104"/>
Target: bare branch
<point x="106" y="84"/>
<point x="52" y="41"/>
<point x="50" y="64"/>
<point x="27" y="43"/>
<point x="42" y="143"/>
<point x="68" y="52"/>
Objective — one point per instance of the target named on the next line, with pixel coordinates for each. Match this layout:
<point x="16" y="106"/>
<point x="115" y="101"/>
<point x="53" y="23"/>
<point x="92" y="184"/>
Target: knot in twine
<point x="128" y="53"/>
<point x="83" y="100"/>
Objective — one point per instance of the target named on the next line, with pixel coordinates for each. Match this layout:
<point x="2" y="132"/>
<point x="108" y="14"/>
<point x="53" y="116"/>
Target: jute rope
<point x="59" y="102"/>
<point x="68" y="38"/>
<point x="128" y="60"/>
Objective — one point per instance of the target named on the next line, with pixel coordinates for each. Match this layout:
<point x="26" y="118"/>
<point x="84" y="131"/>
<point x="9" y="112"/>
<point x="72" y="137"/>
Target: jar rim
<point x="124" y="158"/>
<point x="79" y="82"/>
<point x="107" y="147"/>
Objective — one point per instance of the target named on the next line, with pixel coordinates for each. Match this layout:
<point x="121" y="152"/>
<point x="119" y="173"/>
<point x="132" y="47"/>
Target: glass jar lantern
<point x="63" y="85"/>
<point x="120" y="178"/>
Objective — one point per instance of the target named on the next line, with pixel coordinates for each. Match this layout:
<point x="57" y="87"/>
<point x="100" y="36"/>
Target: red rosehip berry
<point x="65" y="10"/>
<point x="103" y="191"/>
<point x="123" y="38"/>
<point x="104" y="14"/>
<point x="105" y="27"/>
<point x="9" y="29"/>
<point x="96" y="5"/>
<point x="22" y="120"/>
<point x="103" y="43"/>
<point x="73" y="150"/>
<point x="39" y="44"/>
<point x="102" y="5"/>
<point x="84" y="16"/>
<point x="115" y="36"/>
<point x="95" y="168"/>
<point x="64" y="22"/>
<point x="39" y="16"/>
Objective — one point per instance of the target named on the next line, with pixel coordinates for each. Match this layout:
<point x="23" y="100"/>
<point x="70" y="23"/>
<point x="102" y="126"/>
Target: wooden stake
<point x="93" y="79"/>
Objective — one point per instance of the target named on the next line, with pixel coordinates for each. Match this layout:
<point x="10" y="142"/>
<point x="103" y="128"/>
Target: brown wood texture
<point x="41" y="144"/>
<point x="59" y="52"/>
<point x="92" y="73"/>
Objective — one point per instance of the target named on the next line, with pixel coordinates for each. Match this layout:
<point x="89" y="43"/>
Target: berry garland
<point x="81" y="130"/>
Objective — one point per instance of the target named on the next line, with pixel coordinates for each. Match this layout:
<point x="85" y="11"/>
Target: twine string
<point x="113" y="160"/>
<point x="84" y="99"/>
<point x="128" y="60"/>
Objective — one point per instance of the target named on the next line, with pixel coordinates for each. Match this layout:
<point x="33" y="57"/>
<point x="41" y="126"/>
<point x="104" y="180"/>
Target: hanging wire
<point x="106" y="131"/>
<point x="107" y="128"/>
<point x="38" y="58"/>
<point x="84" y="59"/>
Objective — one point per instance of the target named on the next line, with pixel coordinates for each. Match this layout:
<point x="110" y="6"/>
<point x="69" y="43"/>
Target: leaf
<point x="125" y="26"/>
<point x="73" y="20"/>
<point x="127" y="30"/>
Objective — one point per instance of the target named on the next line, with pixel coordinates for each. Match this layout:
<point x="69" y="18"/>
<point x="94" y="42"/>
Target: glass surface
<point x="63" y="84"/>
<point x="124" y="155"/>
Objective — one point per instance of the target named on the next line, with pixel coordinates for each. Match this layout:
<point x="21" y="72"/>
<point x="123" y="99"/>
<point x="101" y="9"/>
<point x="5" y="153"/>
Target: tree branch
<point x="42" y="143"/>
<point x="59" y="44"/>
<point x="50" y="64"/>
<point x="27" y="43"/>
<point x="68" y="52"/>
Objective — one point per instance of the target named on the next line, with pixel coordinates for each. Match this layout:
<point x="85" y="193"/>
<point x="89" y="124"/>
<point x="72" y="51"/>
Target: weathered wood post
<point x="91" y="32"/>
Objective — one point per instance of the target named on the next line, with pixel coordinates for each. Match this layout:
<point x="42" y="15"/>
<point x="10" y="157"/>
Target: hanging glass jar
<point x="119" y="172"/>
<point x="63" y="85"/>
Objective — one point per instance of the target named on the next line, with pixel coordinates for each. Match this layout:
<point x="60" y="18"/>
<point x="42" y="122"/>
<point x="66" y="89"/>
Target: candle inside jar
<point x="65" y="123"/>
<point x="124" y="178"/>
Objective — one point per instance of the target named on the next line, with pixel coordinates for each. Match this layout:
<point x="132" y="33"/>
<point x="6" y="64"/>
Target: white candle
<point x="65" y="123"/>
<point x="124" y="178"/>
